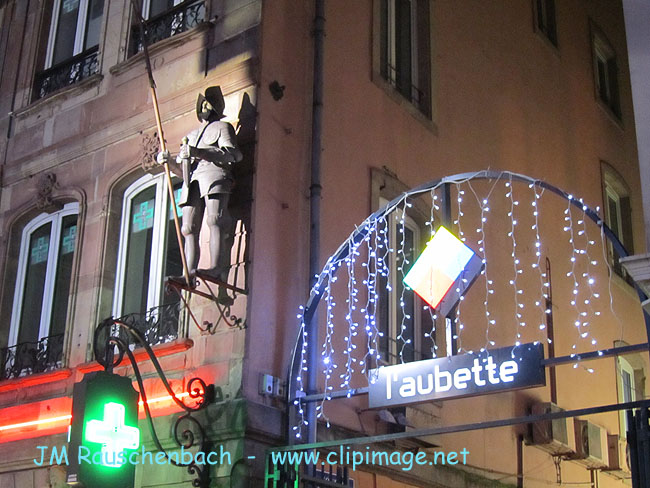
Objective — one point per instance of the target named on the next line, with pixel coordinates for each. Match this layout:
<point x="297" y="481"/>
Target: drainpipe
<point x="314" y="208"/>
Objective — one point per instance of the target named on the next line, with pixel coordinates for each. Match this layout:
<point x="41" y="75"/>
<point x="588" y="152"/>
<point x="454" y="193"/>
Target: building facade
<point x="413" y="91"/>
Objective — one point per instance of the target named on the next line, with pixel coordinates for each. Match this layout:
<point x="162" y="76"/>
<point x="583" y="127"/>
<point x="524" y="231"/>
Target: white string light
<point x="459" y="325"/>
<point x="544" y="285"/>
<point x="519" y="305"/>
<point x="401" y="268"/>
<point x="387" y="237"/>
<point x="434" y="317"/>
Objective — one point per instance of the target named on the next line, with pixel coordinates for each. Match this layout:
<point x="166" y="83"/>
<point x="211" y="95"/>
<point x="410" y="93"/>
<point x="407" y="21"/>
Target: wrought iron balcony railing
<point x="31" y="357"/>
<point x="158" y="325"/>
<point x="181" y="18"/>
<point x="411" y="92"/>
<point x="67" y="73"/>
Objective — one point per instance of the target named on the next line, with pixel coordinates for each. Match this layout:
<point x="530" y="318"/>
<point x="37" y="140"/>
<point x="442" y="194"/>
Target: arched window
<point x="40" y="306"/>
<point x="148" y="248"/>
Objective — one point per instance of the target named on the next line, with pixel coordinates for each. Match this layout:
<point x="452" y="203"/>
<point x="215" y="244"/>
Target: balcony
<point x="31" y="357"/>
<point x="181" y="18"/>
<point x="67" y="73"/>
<point x="159" y="325"/>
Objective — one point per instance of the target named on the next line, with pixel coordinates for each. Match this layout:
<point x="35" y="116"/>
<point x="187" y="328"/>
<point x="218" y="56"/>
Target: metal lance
<point x="161" y="137"/>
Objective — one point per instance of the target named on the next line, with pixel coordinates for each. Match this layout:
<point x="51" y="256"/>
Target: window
<point x="405" y="54"/>
<point x="148" y="248"/>
<point x="75" y="28"/>
<point x="606" y="73"/>
<point x="165" y="18"/>
<point x="399" y="308"/>
<point x="545" y="19"/>
<point x="73" y="43"/>
<point x="630" y="379"/>
<point x="43" y="279"/>
<point x="618" y="215"/>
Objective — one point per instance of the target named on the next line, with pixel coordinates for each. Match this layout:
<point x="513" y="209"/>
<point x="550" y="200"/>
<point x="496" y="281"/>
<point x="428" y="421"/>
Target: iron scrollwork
<point x="157" y="325"/>
<point x="67" y="73"/>
<point x="111" y="355"/>
<point x="31" y="357"/>
<point x="176" y="20"/>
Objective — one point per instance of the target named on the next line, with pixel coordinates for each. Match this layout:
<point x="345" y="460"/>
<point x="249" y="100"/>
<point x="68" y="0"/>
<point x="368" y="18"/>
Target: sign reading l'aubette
<point x="490" y="371"/>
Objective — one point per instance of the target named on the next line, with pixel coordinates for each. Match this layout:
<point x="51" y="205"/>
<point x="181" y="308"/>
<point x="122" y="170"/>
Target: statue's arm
<point x="165" y="157"/>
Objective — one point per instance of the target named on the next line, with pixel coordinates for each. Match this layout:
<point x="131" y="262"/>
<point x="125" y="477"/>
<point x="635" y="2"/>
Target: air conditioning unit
<point x="553" y="436"/>
<point x="591" y="444"/>
<point x="619" y="457"/>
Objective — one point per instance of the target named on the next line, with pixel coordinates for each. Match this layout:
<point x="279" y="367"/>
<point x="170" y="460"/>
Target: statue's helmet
<point x="214" y="97"/>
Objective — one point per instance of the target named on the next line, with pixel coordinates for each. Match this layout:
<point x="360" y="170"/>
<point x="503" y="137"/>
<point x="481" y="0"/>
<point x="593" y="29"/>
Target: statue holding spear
<point x="204" y="159"/>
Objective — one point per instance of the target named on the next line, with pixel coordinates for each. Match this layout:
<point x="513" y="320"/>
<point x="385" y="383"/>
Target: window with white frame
<point x="72" y="51"/>
<point x="545" y="19"/>
<point x="618" y="215"/>
<point x="45" y="264"/>
<point x="404" y="49"/>
<point x="606" y="73"/>
<point x="399" y="307"/>
<point x="75" y="28"/>
<point x="630" y="380"/>
<point x="148" y="247"/>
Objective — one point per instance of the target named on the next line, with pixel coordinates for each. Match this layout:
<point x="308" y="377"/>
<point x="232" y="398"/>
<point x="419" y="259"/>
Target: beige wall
<point x="504" y="99"/>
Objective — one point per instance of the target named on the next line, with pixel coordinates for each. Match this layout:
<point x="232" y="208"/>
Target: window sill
<point x="161" y="350"/>
<point x="35" y="379"/>
<point x="617" y="120"/>
<point x="555" y="48"/>
<point x="60" y="95"/>
<point x="397" y="97"/>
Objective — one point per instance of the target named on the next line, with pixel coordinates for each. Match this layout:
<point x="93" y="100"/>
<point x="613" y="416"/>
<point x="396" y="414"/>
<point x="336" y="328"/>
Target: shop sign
<point x="463" y="375"/>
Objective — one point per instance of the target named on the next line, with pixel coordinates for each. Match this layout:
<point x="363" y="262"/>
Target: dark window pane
<point x="551" y="29"/>
<point x="94" y="23"/>
<point x="157" y="7"/>
<point x="541" y="20"/>
<point x="627" y="386"/>
<point x="30" y="315"/>
<point x="65" y="31"/>
<point x="138" y="255"/>
<point x="602" y="80"/>
<point x="173" y="263"/>
<point x="384" y="43"/>
<point x="63" y="275"/>
<point x="612" y="78"/>
<point x="403" y="47"/>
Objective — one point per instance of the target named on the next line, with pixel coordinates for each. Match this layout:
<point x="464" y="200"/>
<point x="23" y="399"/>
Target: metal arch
<point x="366" y="226"/>
<point x="360" y="233"/>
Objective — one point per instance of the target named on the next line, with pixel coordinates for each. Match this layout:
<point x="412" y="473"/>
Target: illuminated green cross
<point x="113" y="434"/>
<point x="143" y="219"/>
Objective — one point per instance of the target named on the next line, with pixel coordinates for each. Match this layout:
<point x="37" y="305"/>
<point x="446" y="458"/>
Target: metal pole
<point x="314" y="212"/>
<point x="161" y="139"/>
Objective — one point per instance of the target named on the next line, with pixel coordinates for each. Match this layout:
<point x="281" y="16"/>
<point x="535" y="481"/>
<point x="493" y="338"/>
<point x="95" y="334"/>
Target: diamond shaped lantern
<point x="444" y="271"/>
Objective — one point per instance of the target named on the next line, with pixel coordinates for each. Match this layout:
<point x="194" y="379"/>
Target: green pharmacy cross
<point x="113" y="434"/>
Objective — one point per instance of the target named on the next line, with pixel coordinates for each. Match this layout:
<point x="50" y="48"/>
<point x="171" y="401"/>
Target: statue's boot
<point x="219" y="274"/>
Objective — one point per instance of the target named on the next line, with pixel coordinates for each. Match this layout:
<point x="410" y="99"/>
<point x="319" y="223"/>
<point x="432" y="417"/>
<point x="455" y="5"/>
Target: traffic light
<point x="104" y="432"/>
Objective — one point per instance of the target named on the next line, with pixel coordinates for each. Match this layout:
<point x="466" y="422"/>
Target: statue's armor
<point x="219" y="137"/>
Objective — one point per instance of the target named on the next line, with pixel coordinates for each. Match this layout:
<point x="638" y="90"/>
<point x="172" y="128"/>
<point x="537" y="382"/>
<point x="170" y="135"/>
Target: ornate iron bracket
<point x="198" y="390"/>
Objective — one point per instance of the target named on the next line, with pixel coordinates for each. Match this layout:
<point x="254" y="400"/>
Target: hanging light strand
<point x="458" y="322"/>
<point x="431" y="334"/>
<point x="402" y="267"/>
<point x="519" y="305"/>
<point x="544" y="284"/>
